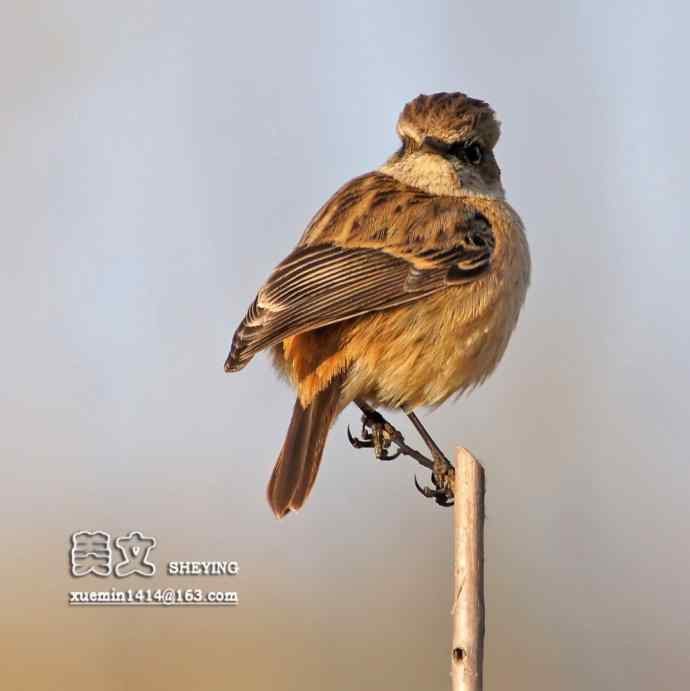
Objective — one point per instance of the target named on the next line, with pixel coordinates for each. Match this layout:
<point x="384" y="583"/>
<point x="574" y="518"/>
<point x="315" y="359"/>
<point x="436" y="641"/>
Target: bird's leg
<point x="372" y="419"/>
<point x="379" y="434"/>
<point x="442" y="471"/>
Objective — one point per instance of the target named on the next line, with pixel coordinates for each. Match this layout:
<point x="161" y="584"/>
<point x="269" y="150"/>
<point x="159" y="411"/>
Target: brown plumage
<point x="403" y="290"/>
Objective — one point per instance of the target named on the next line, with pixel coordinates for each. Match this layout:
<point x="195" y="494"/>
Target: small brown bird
<point x="403" y="290"/>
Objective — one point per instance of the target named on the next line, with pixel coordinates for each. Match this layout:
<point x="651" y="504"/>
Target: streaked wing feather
<point x="322" y="284"/>
<point x="349" y="283"/>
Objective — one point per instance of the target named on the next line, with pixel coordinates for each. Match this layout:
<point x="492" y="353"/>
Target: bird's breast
<point x="422" y="353"/>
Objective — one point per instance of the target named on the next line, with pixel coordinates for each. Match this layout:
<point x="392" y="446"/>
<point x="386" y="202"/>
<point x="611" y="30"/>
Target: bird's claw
<point x="439" y="495"/>
<point x="443" y="478"/>
<point x="357" y="442"/>
<point x="385" y="456"/>
<point x="377" y="434"/>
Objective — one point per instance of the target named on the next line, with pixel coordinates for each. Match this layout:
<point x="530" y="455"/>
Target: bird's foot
<point x="443" y="479"/>
<point x="377" y="434"/>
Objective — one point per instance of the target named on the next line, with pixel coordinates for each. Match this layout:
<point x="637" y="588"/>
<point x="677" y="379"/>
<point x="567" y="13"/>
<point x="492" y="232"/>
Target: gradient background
<point x="158" y="159"/>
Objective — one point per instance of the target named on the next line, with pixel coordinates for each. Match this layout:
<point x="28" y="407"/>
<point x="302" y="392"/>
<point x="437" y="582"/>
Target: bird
<point x="403" y="291"/>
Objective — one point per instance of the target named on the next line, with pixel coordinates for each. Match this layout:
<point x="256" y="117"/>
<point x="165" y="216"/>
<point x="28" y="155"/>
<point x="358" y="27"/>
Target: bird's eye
<point x="473" y="153"/>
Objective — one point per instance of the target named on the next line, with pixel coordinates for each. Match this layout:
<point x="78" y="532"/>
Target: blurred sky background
<point x="158" y="159"/>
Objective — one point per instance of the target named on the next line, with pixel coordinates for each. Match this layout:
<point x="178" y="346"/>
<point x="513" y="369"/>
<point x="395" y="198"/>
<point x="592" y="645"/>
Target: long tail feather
<point x="298" y="463"/>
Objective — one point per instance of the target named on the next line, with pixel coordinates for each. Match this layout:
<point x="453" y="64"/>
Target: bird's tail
<point x="298" y="463"/>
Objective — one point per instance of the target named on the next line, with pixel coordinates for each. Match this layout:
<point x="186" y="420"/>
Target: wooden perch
<point x="468" y="603"/>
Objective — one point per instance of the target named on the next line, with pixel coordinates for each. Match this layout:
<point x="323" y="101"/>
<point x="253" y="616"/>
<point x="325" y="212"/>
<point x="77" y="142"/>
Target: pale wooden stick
<point x="467" y="656"/>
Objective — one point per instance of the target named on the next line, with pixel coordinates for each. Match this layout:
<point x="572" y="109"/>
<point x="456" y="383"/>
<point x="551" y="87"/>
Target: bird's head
<point x="447" y="146"/>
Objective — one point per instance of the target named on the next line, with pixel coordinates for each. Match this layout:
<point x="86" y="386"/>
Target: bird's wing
<point x="328" y="282"/>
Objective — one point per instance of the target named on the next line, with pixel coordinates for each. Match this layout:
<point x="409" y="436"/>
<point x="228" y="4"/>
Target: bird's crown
<point x="449" y="118"/>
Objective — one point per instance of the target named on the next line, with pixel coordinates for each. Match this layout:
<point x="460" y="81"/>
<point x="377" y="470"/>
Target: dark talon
<point x="439" y="495"/>
<point x="358" y="443"/>
<point x="389" y="457"/>
<point x="426" y="491"/>
<point x="372" y="441"/>
<point x="377" y="434"/>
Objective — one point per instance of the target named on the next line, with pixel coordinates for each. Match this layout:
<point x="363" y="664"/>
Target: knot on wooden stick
<point x="458" y="654"/>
